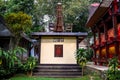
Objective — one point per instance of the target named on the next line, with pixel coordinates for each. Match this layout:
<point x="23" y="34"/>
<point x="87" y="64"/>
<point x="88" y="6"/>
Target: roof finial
<point x="59" y="18"/>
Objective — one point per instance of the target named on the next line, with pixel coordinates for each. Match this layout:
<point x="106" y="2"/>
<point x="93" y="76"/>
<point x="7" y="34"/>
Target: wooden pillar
<point x="99" y="61"/>
<point x="39" y="54"/>
<point x="94" y="33"/>
<point x="106" y="38"/>
<point x="119" y="42"/>
<point x="77" y="44"/>
<point x="114" y="20"/>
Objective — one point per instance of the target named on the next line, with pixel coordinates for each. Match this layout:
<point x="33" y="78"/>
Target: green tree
<point x="3" y="7"/>
<point x="75" y="12"/>
<point x="25" y="6"/>
<point x="18" y="23"/>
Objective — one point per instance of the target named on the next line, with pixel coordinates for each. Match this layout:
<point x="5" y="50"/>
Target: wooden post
<point x="114" y="20"/>
<point x="94" y="47"/>
<point x="39" y="54"/>
<point x="106" y="38"/>
<point x="99" y="61"/>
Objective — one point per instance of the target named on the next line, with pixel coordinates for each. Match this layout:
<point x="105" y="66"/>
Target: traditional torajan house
<point x="7" y="39"/>
<point x="105" y="25"/>
<point x="31" y="45"/>
<point x="58" y="46"/>
<point x="5" y="35"/>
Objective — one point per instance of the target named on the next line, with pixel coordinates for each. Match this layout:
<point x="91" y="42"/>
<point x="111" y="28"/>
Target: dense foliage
<point x="75" y="12"/>
<point x="17" y="23"/>
<point x="10" y="6"/>
<point x="25" y="6"/>
<point x="87" y="53"/>
<point x="113" y="73"/>
<point x="30" y="64"/>
<point x="9" y="61"/>
<point x="81" y="57"/>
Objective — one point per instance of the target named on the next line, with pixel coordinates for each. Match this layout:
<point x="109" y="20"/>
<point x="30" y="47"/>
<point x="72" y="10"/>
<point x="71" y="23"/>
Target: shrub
<point x="81" y="57"/>
<point x="9" y="61"/>
<point x="113" y="73"/>
<point x="30" y="64"/>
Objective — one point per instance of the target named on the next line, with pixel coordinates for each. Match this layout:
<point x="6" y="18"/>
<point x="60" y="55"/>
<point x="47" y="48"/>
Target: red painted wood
<point x="58" y="50"/>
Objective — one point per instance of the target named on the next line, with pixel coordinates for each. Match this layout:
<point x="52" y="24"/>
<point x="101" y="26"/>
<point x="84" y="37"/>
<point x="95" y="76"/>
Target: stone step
<point x="57" y="67"/>
<point x="58" y="73"/>
<point x="57" y="70"/>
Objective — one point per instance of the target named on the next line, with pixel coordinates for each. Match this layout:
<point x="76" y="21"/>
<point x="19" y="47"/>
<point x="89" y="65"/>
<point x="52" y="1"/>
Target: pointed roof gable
<point x="4" y="32"/>
<point x="98" y="13"/>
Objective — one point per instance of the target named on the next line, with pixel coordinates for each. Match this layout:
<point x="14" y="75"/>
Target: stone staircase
<point x="57" y="70"/>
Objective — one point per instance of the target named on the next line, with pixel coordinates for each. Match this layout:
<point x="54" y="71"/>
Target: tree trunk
<point x="29" y="73"/>
<point x="17" y="41"/>
<point x="82" y="70"/>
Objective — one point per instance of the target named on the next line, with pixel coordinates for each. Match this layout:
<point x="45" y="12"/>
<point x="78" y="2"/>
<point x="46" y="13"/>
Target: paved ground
<point x="97" y="67"/>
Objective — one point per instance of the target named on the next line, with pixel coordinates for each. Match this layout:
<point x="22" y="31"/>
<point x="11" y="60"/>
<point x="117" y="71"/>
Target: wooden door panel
<point x="58" y="50"/>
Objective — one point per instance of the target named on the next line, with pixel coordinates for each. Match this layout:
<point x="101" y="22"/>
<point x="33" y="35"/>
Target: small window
<point x="58" y="50"/>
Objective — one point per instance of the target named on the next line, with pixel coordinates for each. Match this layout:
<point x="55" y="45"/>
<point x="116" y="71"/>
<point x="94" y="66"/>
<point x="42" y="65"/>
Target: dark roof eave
<point x="6" y="33"/>
<point x="100" y="11"/>
<point x="59" y="34"/>
<point x="27" y="38"/>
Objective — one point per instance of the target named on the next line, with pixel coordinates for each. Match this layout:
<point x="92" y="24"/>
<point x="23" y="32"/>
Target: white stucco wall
<point x="47" y="51"/>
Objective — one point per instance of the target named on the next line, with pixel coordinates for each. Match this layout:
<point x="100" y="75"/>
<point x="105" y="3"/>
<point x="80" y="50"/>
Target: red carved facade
<point x="105" y="25"/>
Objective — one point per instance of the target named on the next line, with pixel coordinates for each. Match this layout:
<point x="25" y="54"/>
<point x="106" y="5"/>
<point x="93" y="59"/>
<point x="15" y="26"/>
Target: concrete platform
<point x="96" y="70"/>
<point x="97" y="67"/>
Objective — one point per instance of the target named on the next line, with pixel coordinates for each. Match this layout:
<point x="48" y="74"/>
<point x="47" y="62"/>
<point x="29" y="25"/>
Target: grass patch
<point x="24" y="77"/>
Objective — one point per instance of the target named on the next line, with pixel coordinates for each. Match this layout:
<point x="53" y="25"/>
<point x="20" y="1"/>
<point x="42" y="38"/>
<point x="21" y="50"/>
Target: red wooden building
<point x="105" y="25"/>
